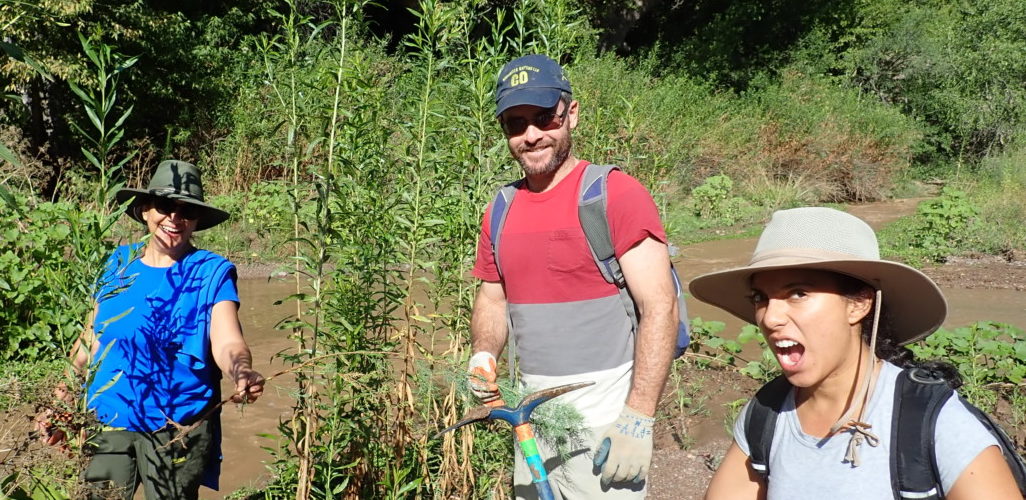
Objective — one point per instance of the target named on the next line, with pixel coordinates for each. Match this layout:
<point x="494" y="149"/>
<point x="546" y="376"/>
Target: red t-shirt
<point x="545" y="256"/>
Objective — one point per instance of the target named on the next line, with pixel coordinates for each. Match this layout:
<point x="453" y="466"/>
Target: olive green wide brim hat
<point x="824" y="239"/>
<point x="177" y="180"/>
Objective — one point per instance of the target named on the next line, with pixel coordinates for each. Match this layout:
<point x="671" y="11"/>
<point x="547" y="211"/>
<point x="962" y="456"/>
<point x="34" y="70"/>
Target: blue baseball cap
<point x="533" y="79"/>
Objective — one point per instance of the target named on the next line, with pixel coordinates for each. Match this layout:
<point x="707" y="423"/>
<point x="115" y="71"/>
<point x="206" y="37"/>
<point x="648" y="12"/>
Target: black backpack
<point x="919" y="396"/>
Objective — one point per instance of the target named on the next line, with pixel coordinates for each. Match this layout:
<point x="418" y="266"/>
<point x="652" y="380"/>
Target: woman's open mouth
<point x="789" y="353"/>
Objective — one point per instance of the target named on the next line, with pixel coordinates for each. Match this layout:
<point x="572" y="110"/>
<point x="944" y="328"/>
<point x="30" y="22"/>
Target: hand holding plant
<point x="481" y="371"/>
<point x="50" y="433"/>
<point x="52" y="422"/>
<point x="249" y="385"/>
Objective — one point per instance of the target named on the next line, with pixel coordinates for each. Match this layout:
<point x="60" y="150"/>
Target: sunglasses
<point x="165" y="206"/>
<point x="545" y="120"/>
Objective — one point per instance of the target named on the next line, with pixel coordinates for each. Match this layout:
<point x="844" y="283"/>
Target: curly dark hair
<point x="886" y="348"/>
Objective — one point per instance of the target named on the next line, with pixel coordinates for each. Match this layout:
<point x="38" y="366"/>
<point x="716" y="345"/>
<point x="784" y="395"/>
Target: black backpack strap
<point x="919" y="394"/>
<point x="761" y="422"/>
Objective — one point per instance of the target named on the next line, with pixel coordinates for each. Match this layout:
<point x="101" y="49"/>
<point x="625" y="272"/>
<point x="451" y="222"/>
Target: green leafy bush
<point x="706" y="335"/>
<point x="941" y="227"/>
<point x="50" y="255"/>
<point x="986" y="353"/>
<point x="956" y="67"/>
<point x="260" y="223"/>
<point x="714" y="203"/>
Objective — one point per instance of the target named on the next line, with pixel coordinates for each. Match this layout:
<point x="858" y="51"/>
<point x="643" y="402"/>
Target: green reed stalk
<point x="323" y="236"/>
<point x="89" y="233"/>
<point x="99" y="105"/>
<point x="288" y="94"/>
<point x="467" y="187"/>
<point x="435" y="26"/>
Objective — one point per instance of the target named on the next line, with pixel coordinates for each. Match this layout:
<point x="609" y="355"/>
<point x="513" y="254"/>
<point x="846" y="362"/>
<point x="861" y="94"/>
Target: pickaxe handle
<point x="519" y="418"/>
<point x="529" y="445"/>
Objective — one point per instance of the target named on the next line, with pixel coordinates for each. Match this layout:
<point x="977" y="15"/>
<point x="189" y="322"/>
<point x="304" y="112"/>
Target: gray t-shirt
<point x="804" y="466"/>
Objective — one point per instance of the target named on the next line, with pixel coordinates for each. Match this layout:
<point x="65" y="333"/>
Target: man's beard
<point x="561" y="151"/>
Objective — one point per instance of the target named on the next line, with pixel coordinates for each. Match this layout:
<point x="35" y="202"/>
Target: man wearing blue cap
<point x="568" y="323"/>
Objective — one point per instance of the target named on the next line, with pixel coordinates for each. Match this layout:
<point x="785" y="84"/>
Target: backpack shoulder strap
<point x="919" y="394"/>
<point x="497" y="219"/>
<point x="593" y="199"/>
<point x="761" y="422"/>
<point x="591" y="209"/>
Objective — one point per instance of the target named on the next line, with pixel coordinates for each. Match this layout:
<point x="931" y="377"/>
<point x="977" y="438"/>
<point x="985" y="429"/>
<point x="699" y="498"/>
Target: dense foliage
<point x="363" y="154"/>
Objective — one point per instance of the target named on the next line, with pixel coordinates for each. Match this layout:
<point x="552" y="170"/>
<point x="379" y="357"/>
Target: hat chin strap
<point x="860" y="429"/>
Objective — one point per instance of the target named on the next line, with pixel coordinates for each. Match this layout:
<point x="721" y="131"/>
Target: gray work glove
<point x="625" y="450"/>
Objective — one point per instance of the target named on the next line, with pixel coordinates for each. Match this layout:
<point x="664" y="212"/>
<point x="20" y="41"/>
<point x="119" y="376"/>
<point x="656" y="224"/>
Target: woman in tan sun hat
<point x="814" y="287"/>
<point x="164" y="330"/>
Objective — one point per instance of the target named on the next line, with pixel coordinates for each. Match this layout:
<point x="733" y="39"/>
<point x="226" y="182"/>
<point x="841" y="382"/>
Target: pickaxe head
<point x="513" y="416"/>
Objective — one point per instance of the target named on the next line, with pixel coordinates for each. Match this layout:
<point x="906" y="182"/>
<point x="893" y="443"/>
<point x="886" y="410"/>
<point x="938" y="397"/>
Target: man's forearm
<point x="488" y="328"/>
<point x="657" y="332"/>
<point x="487" y="334"/>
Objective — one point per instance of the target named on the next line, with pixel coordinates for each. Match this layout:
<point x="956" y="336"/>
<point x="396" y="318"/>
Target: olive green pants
<point x="124" y="459"/>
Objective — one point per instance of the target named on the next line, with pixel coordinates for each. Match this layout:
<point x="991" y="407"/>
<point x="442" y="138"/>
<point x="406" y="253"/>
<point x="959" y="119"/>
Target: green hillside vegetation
<point x="357" y="144"/>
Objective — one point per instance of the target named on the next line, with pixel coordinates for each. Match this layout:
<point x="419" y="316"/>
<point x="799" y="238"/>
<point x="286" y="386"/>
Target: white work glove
<point x="481" y="375"/>
<point x="625" y="450"/>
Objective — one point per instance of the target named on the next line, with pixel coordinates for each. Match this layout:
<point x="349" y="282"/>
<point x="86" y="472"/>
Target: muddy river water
<point x="245" y="459"/>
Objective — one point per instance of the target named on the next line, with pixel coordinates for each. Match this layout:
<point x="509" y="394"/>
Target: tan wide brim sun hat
<point x="177" y="180"/>
<point x="825" y="239"/>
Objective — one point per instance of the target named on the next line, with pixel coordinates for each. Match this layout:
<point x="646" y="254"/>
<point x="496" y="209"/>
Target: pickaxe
<point x="519" y="419"/>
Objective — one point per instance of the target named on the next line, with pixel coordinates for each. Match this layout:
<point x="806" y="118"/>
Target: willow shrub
<point x="386" y="164"/>
<point x="396" y="156"/>
<point x="44" y="304"/>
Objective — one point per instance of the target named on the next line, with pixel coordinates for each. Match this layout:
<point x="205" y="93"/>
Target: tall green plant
<point x="283" y="56"/>
<point x="337" y="149"/>
<point x="98" y="104"/>
<point x="52" y="253"/>
<point x="51" y="259"/>
<point x="433" y="47"/>
<point x="475" y="163"/>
